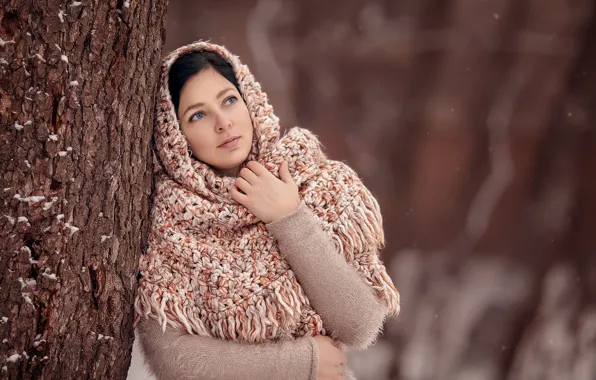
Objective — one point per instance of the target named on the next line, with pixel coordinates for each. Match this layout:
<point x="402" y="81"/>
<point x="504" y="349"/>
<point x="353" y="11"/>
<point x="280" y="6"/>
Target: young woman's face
<point x="215" y="121"/>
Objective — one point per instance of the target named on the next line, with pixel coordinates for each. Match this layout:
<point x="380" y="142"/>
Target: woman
<point x="263" y="254"/>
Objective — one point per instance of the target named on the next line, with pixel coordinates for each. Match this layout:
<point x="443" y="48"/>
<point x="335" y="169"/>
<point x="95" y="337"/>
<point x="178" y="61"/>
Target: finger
<point x="257" y="168"/>
<point x="284" y="173"/>
<point x="243" y="185"/>
<point x="248" y="175"/>
<point x="238" y="196"/>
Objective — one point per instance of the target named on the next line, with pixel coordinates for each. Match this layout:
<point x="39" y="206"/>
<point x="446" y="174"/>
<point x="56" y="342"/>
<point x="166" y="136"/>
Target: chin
<point x="233" y="162"/>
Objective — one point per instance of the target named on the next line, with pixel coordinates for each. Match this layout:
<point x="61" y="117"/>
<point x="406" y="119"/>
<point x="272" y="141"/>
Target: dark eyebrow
<point x="200" y="104"/>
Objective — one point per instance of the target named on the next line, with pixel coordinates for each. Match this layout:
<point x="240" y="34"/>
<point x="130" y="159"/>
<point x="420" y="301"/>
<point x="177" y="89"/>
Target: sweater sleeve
<point x="343" y="296"/>
<point x="177" y="355"/>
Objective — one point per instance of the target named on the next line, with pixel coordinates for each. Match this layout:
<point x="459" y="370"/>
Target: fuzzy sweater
<point x="214" y="275"/>
<point x="351" y="311"/>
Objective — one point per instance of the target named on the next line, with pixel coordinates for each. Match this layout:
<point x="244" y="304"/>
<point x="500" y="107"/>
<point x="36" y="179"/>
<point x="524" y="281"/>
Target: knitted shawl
<point x="211" y="267"/>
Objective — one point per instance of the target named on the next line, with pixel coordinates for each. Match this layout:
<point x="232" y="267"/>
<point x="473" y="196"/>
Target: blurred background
<point x="473" y="122"/>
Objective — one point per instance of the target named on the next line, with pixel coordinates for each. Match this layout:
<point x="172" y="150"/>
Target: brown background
<point x="472" y="121"/>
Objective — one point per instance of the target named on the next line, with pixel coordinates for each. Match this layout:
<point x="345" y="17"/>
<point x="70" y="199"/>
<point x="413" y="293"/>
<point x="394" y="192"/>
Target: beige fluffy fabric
<point x="211" y="266"/>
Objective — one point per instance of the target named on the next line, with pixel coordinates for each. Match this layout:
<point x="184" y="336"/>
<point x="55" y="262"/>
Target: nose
<point x="222" y="122"/>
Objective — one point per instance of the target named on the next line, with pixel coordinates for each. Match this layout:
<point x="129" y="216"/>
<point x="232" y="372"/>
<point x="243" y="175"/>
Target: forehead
<point x="204" y="86"/>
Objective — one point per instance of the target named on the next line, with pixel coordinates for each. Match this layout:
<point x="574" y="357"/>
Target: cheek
<point x="199" y="140"/>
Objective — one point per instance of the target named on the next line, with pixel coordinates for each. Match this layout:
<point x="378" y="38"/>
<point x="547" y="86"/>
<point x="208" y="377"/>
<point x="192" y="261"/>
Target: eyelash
<point x="191" y="119"/>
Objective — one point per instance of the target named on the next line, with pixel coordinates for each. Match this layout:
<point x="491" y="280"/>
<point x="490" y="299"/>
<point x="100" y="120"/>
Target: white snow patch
<point x="75" y="4"/>
<point x="48" y="274"/>
<point x="61" y="15"/>
<point x="4" y="320"/>
<point x="69" y="149"/>
<point x="51" y="276"/>
<point x="62" y="153"/>
<point x="104" y="238"/>
<point x="33" y="198"/>
<point x="18" y="126"/>
<point x="53" y="137"/>
<point x="60" y="216"/>
<point x="13" y="358"/>
<point x="10" y="219"/>
<point x="57" y="47"/>
<point x="29" y="282"/>
<point x="73" y="83"/>
<point x="127" y="4"/>
<point x="72" y="228"/>
<point x="2" y="42"/>
<point x="64" y="58"/>
<point x="22" y="219"/>
<point x="27" y="163"/>
<point x="48" y="205"/>
<point x="27" y="299"/>
<point x="3" y="61"/>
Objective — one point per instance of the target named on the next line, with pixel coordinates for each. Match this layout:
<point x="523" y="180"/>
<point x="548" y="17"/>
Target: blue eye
<point x="199" y="116"/>
<point x="231" y="100"/>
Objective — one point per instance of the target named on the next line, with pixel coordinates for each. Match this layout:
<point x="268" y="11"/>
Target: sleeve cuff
<point x="297" y="225"/>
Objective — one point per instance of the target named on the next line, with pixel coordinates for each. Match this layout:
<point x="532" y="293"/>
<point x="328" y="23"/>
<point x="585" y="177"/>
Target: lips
<point x="232" y="141"/>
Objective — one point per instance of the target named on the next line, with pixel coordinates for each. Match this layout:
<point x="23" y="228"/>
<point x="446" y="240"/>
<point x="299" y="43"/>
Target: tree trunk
<point x="76" y="110"/>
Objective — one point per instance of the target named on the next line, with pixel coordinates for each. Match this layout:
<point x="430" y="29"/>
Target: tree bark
<point x="76" y="110"/>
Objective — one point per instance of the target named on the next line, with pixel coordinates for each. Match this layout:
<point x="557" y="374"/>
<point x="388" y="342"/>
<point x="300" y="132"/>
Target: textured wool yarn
<point x="211" y="267"/>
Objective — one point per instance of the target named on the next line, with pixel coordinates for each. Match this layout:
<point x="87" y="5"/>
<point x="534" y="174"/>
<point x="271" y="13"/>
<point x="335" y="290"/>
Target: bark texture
<point x="77" y="87"/>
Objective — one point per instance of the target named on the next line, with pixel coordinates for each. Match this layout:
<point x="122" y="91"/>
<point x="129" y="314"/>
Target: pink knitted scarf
<point x="211" y="267"/>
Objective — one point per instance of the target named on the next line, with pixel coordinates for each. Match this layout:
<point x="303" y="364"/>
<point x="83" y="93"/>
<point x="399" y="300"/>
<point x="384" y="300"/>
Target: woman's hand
<point x="331" y="359"/>
<point x="263" y="194"/>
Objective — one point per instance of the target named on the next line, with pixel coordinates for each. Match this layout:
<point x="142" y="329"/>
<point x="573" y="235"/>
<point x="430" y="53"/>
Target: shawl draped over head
<point x="211" y="267"/>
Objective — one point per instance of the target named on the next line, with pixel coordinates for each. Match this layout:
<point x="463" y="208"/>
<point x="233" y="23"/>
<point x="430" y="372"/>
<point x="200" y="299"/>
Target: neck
<point x="228" y="172"/>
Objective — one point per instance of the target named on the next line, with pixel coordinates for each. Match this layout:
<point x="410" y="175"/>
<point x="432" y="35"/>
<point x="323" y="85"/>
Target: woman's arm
<point x="350" y="310"/>
<point x="177" y="355"/>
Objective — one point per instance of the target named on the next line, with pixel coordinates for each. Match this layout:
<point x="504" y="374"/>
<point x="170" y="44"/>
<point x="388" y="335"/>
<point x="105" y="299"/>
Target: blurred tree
<point x="77" y="89"/>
